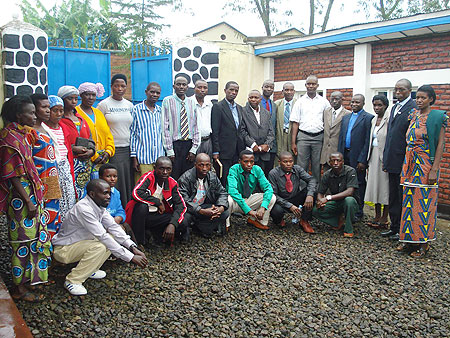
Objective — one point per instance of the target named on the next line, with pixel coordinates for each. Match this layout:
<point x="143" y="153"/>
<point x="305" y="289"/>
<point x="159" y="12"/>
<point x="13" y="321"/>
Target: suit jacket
<point x="331" y="132"/>
<point x="260" y="133"/>
<point x="395" y="148"/>
<point x="360" y="137"/>
<point x="273" y="119"/>
<point x="381" y="136"/>
<point x="225" y="136"/>
<point x="280" y="123"/>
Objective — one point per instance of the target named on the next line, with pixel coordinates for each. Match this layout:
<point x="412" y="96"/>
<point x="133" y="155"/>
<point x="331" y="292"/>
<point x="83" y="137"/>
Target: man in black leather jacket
<point x="205" y="197"/>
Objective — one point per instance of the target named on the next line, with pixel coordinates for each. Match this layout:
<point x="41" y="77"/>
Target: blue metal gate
<point x="150" y="65"/>
<point x="71" y="63"/>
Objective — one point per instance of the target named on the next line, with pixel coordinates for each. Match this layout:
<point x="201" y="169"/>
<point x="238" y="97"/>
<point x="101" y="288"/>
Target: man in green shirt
<point x="243" y="178"/>
<point x="337" y="195"/>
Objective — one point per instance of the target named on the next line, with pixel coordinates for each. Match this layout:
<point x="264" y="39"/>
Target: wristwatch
<point x="328" y="197"/>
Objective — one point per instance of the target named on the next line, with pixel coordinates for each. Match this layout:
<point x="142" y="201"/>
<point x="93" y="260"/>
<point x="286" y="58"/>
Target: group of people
<point x="79" y="183"/>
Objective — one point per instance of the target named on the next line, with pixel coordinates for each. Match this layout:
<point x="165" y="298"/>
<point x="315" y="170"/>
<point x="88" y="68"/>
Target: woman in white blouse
<point x="378" y="181"/>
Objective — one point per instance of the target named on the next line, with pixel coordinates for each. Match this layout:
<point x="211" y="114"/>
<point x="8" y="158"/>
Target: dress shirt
<point x="264" y="103"/>
<point x="171" y="109"/>
<point x="235" y="186"/>
<point x="399" y="105"/>
<point x="146" y="134"/>
<point x="337" y="112"/>
<point x="308" y="113"/>
<point x="340" y="182"/>
<point x="257" y="114"/>
<point x="204" y="116"/>
<point x="115" y="207"/>
<point x="351" y="123"/>
<point x="277" y="179"/>
<point x="87" y="221"/>
<point x="234" y="111"/>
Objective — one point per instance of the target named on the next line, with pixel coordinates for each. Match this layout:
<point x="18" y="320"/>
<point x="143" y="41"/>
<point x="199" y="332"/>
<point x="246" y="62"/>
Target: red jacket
<point x="172" y="199"/>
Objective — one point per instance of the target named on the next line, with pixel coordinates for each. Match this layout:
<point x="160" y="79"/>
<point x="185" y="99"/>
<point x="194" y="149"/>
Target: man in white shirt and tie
<point x="203" y="106"/>
<point x="284" y="108"/>
<point x="307" y="127"/>
<point x="332" y="119"/>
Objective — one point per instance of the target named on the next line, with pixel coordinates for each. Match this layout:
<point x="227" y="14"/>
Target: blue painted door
<point x="151" y="69"/>
<point x="70" y="66"/>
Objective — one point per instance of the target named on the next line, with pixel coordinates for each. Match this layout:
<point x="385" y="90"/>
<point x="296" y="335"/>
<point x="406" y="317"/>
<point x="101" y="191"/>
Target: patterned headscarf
<point x="65" y="91"/>
<point x="96" y="88"/>
<point x="55" y="101"/>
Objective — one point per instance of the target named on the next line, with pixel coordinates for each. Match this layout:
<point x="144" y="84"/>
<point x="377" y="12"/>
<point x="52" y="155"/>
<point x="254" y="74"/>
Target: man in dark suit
<point x="354" y="141"/>
<point x="394" y="152"/>
<point x="226" y="117"/>
<point x="257" y="132"/>
<point x="267" y="103"/>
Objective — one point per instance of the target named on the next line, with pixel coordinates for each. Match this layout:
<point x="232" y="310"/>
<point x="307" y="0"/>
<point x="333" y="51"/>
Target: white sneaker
<point x="75" y="289"/>
<point x="99" y="274"/>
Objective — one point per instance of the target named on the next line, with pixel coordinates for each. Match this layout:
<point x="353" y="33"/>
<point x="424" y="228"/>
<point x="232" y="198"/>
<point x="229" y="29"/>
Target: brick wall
<point x="346" y="98"/>
<point x="443" y="102"/>
<point x="322" y="63"/>
<point x="120" y="63"/>
<point x="411" y="54"/>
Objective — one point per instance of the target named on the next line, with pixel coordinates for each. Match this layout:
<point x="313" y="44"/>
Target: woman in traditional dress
<point x="378" y="181"/>
<point x="65" y="171"/>
<point x="420" y="174"/>
<point x="21" y="197"/>
<point x="101" y="134"/>
<point x="74" y="126"/>
<point x="44" y="157"/>
<point x="117" y="111"/>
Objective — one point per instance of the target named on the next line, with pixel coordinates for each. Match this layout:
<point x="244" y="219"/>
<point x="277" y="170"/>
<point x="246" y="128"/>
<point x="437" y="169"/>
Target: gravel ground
<point x="279" y="283"/>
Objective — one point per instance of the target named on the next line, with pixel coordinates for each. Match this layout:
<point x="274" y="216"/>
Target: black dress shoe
<point x="394" y="237"/>
<point x="388" y="233"/>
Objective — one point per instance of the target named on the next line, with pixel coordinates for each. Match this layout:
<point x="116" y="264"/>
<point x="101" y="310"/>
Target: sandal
<point x="28" y="297"/>
<point x="373" y="223"/>
<point x="420" y="252"/>
<point x="402" y="247"/>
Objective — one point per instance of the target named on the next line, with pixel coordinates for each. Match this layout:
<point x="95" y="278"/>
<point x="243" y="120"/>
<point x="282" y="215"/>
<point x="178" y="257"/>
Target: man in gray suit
<point x="257" y="132"/>
<point x="268" y="104"/>
<point x="284" y="107"/>
<point x="332" y="119"/>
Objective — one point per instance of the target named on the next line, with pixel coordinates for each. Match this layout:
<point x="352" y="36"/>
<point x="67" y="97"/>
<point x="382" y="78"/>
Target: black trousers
<point x="278" y="211"/>
<point x="227" y="164"/>
<point x="181" y="164"/>
<point x="142" y="220"/>
<point x="204" y="224"/>
<point x="362" y="184"/>
<point x="395" y="201"/>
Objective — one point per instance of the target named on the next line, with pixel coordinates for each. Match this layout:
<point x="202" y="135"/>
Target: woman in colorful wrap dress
<point x="44" y="157"/>
<point x="420" y="174"/>
<point x="21" y="198"/>
<point x="75" y="126"/>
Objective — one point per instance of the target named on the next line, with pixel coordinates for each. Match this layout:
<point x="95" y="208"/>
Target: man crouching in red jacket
<point x="157" y="205"/>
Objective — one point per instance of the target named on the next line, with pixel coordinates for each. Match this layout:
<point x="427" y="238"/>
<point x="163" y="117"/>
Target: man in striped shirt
<point x="146" y="132"/>
<point x="181" y="136"/>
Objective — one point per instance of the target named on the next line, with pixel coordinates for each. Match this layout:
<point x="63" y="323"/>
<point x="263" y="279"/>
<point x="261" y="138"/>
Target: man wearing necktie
<point x="283" y="126"/>
<point x="394" y="152"/>
<point x="267" y="103"/>
<point x="243" y="179"/>
<point x="285" y="180"/>
<point x="332" y="119"/>
<point x="181" y="136"/>
<point x="226" y="118"/>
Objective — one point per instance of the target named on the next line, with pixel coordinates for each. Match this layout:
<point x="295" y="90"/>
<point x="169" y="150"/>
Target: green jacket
<point x="435" y="121"/>
<point x="236" y="183"/>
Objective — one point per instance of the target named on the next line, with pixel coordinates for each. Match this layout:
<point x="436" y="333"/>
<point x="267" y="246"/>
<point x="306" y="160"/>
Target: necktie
<point x="289" y="185"/>
<point x="246" y="187"/>
<point x="268" y="105"/>
<point x="333" y="118"/>
<point x="287" y="114"/>
<point x="184" y="125"/>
